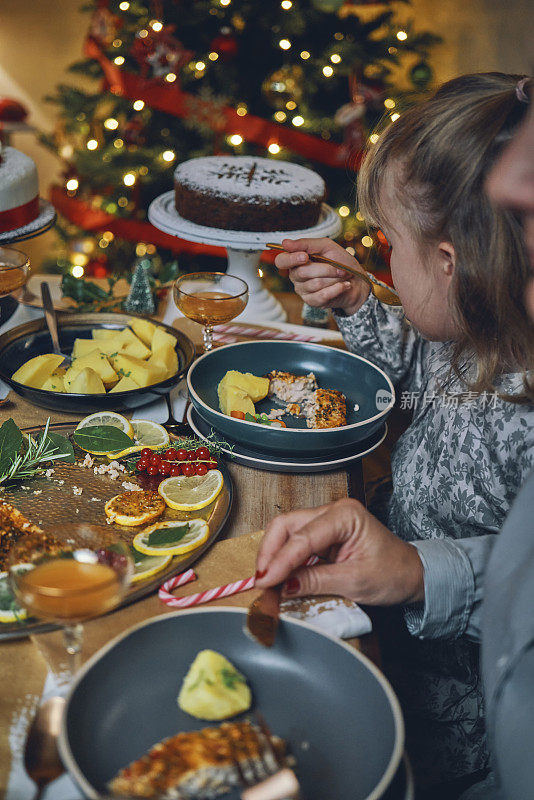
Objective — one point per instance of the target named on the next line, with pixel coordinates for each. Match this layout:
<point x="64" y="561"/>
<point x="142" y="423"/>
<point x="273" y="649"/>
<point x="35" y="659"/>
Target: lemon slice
<point x="191" y="493"/>
<point x="150" y="434"/>
<point x="9" y="610"/>
<point x="107" y="418"/>
<point x="145" y="566"/>
<point x="147" y="434"/>
<point x="196" y="533"/>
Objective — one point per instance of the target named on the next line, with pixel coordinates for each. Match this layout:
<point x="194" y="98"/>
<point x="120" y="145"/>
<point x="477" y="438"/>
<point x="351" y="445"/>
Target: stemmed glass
<point x="69" y="580"/>
<point x="210" y="298"/>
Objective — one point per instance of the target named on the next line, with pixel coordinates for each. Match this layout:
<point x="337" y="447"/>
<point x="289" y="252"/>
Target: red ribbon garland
<point x="94" y="219"/>
<point x="19" y="216"/>
<point x="173" y="100"/>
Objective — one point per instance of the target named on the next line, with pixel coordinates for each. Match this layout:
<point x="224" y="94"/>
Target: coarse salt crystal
<point x="77" y="490"/>
<point x="131" y="487"/>
<point x="49" y="472"/>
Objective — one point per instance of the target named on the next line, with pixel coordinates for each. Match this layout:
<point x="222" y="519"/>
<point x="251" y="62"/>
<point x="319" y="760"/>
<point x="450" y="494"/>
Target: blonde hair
<point x="442" y="152"/>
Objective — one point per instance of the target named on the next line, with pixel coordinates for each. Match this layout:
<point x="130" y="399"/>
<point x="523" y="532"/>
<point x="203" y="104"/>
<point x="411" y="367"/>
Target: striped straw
<point x="226" y="590"/>
<point x="221" y="332"/>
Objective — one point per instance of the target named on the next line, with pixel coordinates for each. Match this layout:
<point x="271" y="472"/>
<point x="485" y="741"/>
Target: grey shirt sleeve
<point x="454" y="572"/>
<point x="383" y="334"/>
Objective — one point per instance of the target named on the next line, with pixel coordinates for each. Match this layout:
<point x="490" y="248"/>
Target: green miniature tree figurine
<point x="140" y="299"/>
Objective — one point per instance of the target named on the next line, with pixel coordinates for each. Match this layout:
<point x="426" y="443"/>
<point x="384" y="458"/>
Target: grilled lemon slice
<point x="134" y="508"/>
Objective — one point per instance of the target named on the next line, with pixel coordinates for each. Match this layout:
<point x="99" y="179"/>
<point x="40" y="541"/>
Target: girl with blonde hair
<point x="462" y="346"/>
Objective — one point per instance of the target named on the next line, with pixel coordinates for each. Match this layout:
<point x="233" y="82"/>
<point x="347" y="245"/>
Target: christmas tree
<point x="302" y="80"/>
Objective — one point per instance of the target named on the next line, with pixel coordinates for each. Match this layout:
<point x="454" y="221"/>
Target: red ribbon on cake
<point x="225" y="119"/>
<point x="19" y="216"/>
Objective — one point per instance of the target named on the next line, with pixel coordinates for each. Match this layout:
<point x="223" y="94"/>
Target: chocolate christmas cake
<point x="243" y="193"/>
<point x="19" y="189"/>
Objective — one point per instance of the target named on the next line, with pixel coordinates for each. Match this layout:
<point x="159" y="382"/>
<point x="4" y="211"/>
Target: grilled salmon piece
<point x="135" y="508"/>
<point x="328" y="409"/>
<point x="14" y="527"/>
<point x="197" y="763"/>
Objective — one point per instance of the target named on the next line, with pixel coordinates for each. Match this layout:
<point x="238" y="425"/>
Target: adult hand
<point x="319" y="284"/>
<point x="368" y="563"/>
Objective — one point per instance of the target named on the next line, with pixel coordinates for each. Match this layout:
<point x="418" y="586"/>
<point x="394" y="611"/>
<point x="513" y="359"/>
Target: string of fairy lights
<point x="199" y="67"/>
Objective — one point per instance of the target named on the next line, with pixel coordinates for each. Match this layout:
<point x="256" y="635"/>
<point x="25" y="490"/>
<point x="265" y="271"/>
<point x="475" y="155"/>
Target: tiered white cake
<point x="19" y="189"/>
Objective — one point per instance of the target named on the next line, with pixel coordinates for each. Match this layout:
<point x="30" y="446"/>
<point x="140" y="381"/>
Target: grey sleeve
<point x="454" y="571"/>
<point x="383" y="335"/>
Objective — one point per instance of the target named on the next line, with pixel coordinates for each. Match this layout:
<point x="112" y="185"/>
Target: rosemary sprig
<point x="26" y="464"/>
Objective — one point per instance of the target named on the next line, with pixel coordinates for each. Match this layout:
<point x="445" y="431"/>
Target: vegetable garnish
<point x="21" y="455"/>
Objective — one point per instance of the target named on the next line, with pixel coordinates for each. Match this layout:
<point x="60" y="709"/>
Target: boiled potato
<point x="124" y="385"/>
<point x="162" y="339"/>
<point x="37" y="370"/>
<point x="256" y="388"/>
<point x="144" y="329"/>
<point x="132" y="345"/>
<point x="55" y="383"/>
<point x="104" y="333"/>
<point x="98" y="362"/>
<point x="86" y="381"/>
<point x="213" y="688"/>
<point x="158" y="367"/>
<point x="168" y="358"/>
<point x="135" y="368"/>
<point x="232" y="398"/>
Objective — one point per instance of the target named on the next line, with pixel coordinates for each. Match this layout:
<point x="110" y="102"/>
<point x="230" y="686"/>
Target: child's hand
<point x="319" y="284"/>
<point x="369" y="564"/>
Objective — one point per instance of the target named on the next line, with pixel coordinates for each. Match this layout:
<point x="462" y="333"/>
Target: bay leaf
<point x="62" y="446"/>
<point x="10" y="443"/>
<point x="167" y="536"/>
<point x="102" y="439"/>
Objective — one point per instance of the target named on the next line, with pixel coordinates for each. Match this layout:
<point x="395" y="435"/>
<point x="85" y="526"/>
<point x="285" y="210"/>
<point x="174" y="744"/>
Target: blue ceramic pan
<point x="369" y="392"/>
<point x="335" y="709"/>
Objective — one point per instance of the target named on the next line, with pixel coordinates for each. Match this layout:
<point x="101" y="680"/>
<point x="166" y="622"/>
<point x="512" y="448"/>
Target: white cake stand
<point x="244" y="249"/>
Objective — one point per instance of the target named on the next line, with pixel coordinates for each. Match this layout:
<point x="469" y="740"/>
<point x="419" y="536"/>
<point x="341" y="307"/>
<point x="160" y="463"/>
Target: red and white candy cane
<point x="228" y="589"/>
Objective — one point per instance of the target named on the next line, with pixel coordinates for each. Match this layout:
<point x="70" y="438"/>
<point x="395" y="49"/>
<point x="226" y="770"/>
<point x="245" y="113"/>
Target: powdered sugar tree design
<point x="298" y="80"/>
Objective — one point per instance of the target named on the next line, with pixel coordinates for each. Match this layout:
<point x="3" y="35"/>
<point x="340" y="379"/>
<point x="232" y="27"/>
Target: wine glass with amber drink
<point x="210" y="298"/>
<point x="68" y="580"/>
<point x="14" y="270"/>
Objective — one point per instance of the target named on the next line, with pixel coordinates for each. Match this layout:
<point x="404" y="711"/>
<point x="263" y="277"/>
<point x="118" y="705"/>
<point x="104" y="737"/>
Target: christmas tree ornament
<point x="421" y="75"/>
<point x="104" y="26"/>
<point x="283" y="85"/>
<point x="225" y="44"/>
<point x="328" y="6"/>
<point x="160" y="53"/>
<point x="133" y="132"/>
<point x="11" y="110"/>
<point x="140" y="299"/>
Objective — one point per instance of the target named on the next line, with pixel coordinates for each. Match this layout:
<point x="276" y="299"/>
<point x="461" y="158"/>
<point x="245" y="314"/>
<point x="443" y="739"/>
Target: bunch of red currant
<point x="176" y="462"/>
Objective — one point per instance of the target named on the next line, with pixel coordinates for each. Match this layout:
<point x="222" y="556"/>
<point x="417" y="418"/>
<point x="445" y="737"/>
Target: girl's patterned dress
<point x="456" y="471"/>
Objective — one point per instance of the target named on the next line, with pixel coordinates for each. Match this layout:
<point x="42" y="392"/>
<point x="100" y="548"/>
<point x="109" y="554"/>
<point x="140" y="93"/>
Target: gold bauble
<point x="283" y="85"/>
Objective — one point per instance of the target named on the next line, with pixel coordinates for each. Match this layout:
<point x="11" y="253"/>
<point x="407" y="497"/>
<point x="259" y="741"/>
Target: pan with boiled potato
<point x="118" y="360"/>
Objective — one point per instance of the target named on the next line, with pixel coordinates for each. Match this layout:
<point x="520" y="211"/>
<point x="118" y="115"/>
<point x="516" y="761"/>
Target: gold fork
<point x="382" y="293"/>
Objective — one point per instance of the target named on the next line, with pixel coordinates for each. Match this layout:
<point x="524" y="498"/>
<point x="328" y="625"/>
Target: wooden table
<point x="258" y="497"/>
